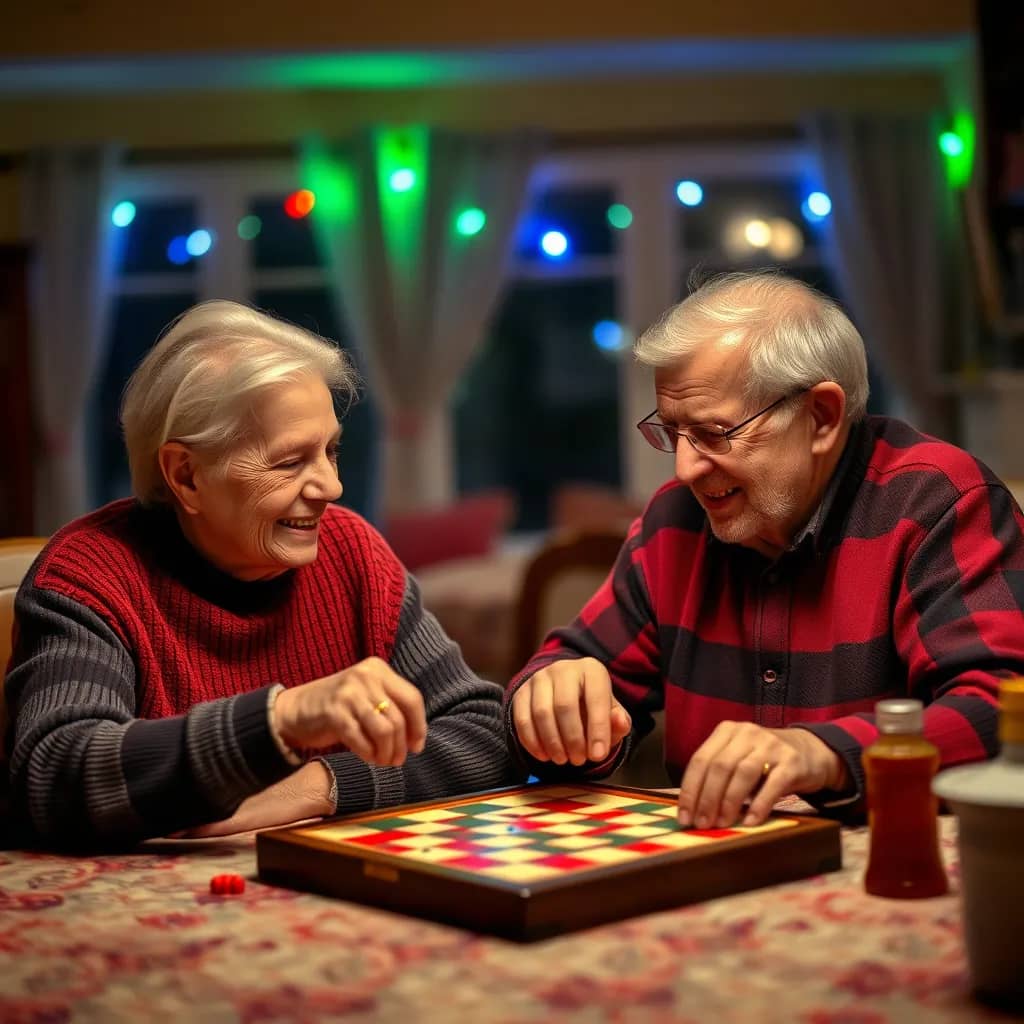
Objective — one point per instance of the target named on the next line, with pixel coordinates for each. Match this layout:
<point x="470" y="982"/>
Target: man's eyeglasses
<point x="707" y="438"/>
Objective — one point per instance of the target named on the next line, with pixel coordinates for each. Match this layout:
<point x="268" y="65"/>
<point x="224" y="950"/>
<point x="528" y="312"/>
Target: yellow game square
<point x="426" y="828"/>
<point x="606" y="801"/>
<point x="641" y="831"/>
<point x="635" y="819"/>
<point x="680" y="840"/>
<point x="604" y="855"/>
<point x="338" y="833"/>
<point x="500" y="842"/>
<point x="436" y="854"/>
<point x="432" y="814"/>
<point x="420" y="842"/>
<point x="512" y="800"/>
<point x="578" y="842"/>
<point x="505" y="815"/>
<point x="493" y="830"/>
<point x="568" y="829"/>
<point x="554" y="818"/>
<point x="515" y="856"/>
<point x="518" y="873"/>
<point x="771" y="825"/>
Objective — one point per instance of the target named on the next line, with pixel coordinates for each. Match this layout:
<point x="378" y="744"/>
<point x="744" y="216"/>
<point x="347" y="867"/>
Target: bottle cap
<point x="899" y="716"/>
<point x="1011" y="710"/>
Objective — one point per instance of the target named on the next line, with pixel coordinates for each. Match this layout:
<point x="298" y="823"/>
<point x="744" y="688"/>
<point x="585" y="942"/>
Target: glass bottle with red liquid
<point x="904" y="860"/>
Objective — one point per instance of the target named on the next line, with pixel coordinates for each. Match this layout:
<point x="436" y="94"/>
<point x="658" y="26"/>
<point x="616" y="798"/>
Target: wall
<point x="76" y="27"/>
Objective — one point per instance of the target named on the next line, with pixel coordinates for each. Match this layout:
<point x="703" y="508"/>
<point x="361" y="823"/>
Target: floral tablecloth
<point x="140" y="938"/>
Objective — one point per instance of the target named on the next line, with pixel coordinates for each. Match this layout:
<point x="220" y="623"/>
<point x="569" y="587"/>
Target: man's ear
<point x="827" y="402"/>
<point x="179" y="467"/>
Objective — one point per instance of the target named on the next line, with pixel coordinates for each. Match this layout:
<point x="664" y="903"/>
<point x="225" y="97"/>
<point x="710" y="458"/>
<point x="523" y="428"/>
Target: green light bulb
<point x="619" y="216"/>
<point x="470" y="222"/>
<point x="951" y="144"/>
<point x="402" y="180"/>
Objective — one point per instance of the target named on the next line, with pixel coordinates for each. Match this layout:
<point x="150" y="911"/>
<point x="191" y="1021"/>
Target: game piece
<point x="534" y="861"/>
<point x="227" y="885"/>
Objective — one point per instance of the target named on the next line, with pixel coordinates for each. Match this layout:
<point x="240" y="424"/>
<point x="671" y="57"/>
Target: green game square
<point x="389" y="824"/>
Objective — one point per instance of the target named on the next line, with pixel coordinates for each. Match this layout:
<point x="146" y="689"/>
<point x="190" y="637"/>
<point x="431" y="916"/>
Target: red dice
<point x="227" y="885"/>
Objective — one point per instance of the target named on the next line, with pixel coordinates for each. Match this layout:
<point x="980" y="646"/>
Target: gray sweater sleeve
<point x="85" y="771"/>
<point x="465" y="749"/>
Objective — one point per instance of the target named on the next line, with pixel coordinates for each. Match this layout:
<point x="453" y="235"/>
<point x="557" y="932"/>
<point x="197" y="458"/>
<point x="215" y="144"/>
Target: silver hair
<point x="795" y="336"/>
<point x="197" y="384"/>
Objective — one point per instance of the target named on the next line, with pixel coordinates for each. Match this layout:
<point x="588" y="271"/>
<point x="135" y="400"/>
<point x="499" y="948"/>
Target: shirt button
<point x="769" y="675"/>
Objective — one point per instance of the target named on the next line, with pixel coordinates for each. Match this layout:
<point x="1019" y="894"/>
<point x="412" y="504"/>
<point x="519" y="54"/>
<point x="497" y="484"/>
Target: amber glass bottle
<point x="904" y="860"/>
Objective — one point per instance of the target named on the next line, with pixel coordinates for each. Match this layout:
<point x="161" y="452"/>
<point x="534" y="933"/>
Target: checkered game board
<point x="522" y="837"/>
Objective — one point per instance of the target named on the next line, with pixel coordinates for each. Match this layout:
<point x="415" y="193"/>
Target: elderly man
<point x="807" y="561"/>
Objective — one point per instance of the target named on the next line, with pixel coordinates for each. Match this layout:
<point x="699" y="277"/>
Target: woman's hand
<point x="369" y="708"/>
<point x="303" y="794"/>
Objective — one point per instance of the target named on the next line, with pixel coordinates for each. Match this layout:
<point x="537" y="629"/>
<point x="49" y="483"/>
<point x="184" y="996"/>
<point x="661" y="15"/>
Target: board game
<point x="534" y="861"/>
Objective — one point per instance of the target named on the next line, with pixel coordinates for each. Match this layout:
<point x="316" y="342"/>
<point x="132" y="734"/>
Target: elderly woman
<point x="231" y="650"/>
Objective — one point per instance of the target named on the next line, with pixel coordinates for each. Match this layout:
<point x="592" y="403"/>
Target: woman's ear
<point x="827" y="402"/>
<point x="178" y="466"/>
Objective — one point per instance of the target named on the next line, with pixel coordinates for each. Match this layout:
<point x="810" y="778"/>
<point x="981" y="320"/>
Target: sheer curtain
<point x="415" y="291"/>
<point x="899" y="249"/>
<point x="67" y="212"/>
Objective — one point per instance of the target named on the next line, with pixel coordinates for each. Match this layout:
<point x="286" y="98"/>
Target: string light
<point x="123" y="214"/>
<point x="554" y="244"/>
<point x="199" y="242"/>
<point x="689" y="193"/>
<point x="177" y="250"/>
<point x="249" y="227"/>
<point x="470" y="221"/>
<point x="619" y="216"/>
<point x="300" y="203"/>
<point x="402" y="180"/>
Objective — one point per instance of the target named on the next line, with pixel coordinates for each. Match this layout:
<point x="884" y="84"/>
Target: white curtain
<point x="67" y="211"/>
<point x="899" y="250"/>
<point x="415" y="292"/>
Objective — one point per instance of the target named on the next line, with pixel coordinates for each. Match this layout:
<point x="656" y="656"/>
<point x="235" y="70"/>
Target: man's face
<point x="761" y="492"/>
<point x="258" y="515"/>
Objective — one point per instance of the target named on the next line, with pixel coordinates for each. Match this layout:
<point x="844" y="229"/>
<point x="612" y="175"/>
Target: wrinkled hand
<point x="369" y="708"/>
<point x="567" y="712"/>
<point x="728" y="768"/>
<point x="303" y="794"/>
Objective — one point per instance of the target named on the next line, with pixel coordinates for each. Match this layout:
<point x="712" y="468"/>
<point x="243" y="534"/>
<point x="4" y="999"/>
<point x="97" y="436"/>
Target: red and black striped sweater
<point x="909" y="581"/>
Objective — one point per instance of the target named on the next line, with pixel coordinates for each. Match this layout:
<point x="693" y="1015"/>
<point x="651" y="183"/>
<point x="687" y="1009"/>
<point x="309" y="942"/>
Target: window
<point x="609" y="242"/>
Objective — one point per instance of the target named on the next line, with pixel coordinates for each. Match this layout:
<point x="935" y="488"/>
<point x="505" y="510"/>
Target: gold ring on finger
<point x="381" y="706"/>
<point x="766" y="769"/>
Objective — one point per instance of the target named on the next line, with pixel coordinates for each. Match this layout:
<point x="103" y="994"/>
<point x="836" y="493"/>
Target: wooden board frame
<point x="296" y="857"/>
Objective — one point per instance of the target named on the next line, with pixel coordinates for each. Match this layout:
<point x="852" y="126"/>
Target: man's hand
<point x="566" y="712"/>
<point x="303" y="794"/>
<point x="370" y="709"/>
<point x="729" y="767"/>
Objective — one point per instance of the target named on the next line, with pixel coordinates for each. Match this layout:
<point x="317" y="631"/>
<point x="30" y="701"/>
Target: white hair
<point x="794" y="336"/>
<point x="198" y="383"/>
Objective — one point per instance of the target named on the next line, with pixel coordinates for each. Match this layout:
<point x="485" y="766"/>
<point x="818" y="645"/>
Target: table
<point x="139" y="937"/>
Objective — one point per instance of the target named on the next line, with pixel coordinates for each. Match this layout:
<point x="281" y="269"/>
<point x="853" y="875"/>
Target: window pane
<point x="540" y="405"/>
<point x="313" y="309"/>
<point x="138" y="321"/>
<point x="282" y="241"/>
<point x="581" y="214"/>
<point x="143" y="244"/>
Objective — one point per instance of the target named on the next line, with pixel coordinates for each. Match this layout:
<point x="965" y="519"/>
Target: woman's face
<point x="257" y="513"/>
